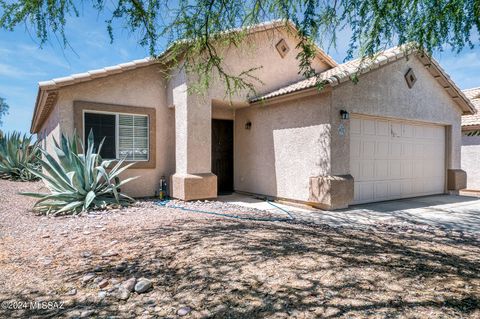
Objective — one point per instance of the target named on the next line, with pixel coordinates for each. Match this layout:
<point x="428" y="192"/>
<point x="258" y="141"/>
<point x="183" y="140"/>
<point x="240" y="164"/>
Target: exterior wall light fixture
<point x="248" y="125"/>
<point x="344" y="115"/>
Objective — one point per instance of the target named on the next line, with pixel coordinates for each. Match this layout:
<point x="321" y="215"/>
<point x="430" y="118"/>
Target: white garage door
<point x="392" y="159"/>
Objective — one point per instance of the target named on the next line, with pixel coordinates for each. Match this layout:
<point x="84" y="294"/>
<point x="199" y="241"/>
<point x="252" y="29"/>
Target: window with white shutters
<point x="133" y="137"/>
<point x="126" y="135"/>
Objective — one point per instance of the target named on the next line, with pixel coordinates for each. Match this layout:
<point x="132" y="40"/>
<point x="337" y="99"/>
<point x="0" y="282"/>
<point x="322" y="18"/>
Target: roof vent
<point x="282" y="48"/>
<point x="410" y="78"/>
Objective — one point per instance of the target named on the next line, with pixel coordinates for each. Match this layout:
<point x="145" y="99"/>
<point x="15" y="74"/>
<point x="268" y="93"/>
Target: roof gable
<point x="343" y="72"/>
<point x="48" y="90"/>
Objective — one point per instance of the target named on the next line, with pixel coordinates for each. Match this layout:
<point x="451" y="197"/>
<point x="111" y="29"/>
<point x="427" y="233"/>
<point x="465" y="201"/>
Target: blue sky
<point x="23" y="64"/>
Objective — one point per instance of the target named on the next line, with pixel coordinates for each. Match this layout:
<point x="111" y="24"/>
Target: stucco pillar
<point x="193" y="178"/>
<point x="335" y="190"/>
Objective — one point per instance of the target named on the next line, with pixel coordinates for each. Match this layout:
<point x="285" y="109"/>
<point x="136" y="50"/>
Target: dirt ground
<point x="216" y="267"/>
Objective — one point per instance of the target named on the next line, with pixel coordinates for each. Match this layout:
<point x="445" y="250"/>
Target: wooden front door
<point x="222" y="154"/>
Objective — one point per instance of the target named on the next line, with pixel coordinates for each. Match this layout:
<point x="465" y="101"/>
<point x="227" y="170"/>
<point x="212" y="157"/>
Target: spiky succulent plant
<point x="18" y="157"/>
<point x="79" y="182"/>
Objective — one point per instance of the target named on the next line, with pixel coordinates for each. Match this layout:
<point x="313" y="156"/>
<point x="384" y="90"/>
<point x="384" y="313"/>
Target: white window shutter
<point x="133" y="137"/>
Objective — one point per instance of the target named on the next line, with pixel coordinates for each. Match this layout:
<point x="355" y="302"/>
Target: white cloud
<point x="16" y="73"/>
<point x="44" y="55"/>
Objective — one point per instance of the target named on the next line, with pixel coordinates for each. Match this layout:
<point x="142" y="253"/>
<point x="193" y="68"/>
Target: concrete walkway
<point x="460" y="213"/>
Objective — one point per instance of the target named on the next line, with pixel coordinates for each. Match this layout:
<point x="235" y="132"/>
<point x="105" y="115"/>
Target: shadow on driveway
<point x="457" y="213"/>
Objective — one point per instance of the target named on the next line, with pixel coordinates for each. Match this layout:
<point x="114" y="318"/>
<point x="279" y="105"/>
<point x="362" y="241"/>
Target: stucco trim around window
<point x="79" y="107"/>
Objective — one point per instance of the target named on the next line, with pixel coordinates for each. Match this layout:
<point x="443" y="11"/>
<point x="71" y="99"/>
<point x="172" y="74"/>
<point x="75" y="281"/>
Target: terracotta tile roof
<point x="338" y="74"/>
<point x="119" y="68"/>
<point x="93" y="74"/>
<point x="345" y="71"/>
<point x="474" y="96"/>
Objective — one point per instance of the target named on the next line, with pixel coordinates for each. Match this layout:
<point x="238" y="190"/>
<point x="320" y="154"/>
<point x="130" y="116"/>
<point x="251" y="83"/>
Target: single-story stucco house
<point x="471" y="142"/>
<point x="394" y="134"/>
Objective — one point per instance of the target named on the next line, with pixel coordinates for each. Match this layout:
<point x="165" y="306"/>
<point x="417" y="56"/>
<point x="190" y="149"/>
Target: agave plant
<point x="18" y="157"/>
<point x="79" y="182"/>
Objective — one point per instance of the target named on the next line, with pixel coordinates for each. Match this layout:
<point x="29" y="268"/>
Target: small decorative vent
<point x="282" y="48"/>
<point x="410" y="78"/>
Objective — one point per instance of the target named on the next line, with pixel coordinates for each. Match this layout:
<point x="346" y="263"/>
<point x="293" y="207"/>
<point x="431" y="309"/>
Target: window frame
<point x="117" y="131"/>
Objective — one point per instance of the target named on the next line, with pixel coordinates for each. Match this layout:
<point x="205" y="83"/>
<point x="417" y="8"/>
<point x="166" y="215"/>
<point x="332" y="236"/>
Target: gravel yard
<point x="149" y="261"/>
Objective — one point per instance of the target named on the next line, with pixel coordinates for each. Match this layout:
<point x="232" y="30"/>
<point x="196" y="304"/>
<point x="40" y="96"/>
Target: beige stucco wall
<point x="384" y="92"/>
<point x="49" y="131"/>
<point x="193" y="112"/>
<point x="258" y="51"/>
<point x="223" y="112"/>
<point x="144" y="87"/>
<point x="287" y="144"/>
<point x="471" y="160"/>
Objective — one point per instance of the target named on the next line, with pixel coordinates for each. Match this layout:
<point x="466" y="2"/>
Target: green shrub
<point x="79" y="182"/>
<point x="18" y="157"/>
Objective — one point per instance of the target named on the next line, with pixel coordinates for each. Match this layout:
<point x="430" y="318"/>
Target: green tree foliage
<point x="374" y="24"/>
<point x="3" y="110"/>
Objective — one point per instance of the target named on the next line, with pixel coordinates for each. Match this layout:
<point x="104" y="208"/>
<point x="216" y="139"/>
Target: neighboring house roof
<point x="47" y="95"/>
<point x="468" y="121"/>
<point x="345" y="71"/>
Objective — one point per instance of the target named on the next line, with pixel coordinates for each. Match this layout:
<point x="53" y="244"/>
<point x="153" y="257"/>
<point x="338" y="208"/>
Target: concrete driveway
<point x="457" y="213"/>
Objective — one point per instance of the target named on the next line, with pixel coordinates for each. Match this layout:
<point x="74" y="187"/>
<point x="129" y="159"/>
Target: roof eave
<point x="465" y="104"/>
<point x="462" y="101"/>
<point x="40" y="94"/>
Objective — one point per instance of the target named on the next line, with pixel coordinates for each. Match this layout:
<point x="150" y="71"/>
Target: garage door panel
<point x="418" y="131"/>
<point x="408" y="131"/>
<point x="392" y="159"/>
<point x="396" y="130"/>
<point x="407" y="188"/>
<point x="381" y="190"/>
<point x="395" y="150"/>
<point x="407" y="150"/>
<point x="381" y="170"/>
<point x="368" y="127"/>
<point x="395" y="169"/>
<point x="355" y="127"/>
<point x="418" y="151"/>
<point x="407" y="169"/>
<point x="395" y="189"/>
<point x="368" y="149"/>
<point x="382" y="150"/>
<point x="364" y="191"/>
<point x="382" y="128"/>
<point x="367" y="170"/>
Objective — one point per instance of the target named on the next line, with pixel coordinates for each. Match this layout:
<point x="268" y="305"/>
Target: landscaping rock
<point x="71" y="292"/>
<point x="86" y="254"/>
<point x="87" y="313"/>
<point x="102" y="294"/>
<point x="110" y="253"/>
<point x="122" y="294"/>
<point x="184" y="311"/>
<point x="121" y="267"/>
<point x="114" y="281"/>
<point x="143" y="285"/>
<point x="103" y="283"/>
<point x="129" y="284"/>
<point x="88" y="277"/>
